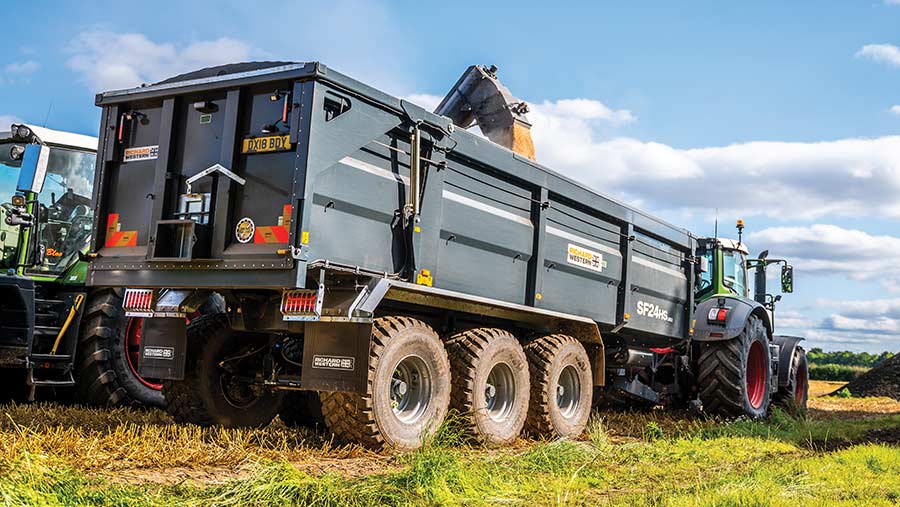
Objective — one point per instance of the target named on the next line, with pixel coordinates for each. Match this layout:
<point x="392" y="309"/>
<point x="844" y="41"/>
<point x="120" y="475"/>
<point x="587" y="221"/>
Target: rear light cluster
<point x="300" y="304"/>
<point x="717" y="315"/>
<point x="138" y="302"/>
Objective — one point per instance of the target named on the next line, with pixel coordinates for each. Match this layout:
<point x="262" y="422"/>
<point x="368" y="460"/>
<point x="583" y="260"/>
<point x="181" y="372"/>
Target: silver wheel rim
<point x="410" y="389"/>
<point x="568" y="392"/>
<point x="500" y="392"/>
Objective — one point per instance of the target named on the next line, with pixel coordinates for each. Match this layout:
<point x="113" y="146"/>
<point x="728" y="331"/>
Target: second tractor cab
<point x="53" y="331"/>
<point x="736" y="348"/>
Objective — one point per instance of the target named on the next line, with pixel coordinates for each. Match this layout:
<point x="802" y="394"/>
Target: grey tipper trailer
<point x="370" y="251"/>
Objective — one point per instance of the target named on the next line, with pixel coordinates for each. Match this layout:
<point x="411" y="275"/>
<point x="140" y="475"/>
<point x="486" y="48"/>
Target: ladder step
<point x="50" y="358"/>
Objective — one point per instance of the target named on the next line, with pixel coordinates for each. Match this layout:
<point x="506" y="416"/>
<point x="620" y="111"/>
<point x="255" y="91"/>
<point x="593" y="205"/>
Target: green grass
<point x="789" y="461"/>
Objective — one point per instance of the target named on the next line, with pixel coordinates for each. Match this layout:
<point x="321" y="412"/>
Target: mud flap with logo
<point x="336" y="356"/>
<point x="163" y="347"/>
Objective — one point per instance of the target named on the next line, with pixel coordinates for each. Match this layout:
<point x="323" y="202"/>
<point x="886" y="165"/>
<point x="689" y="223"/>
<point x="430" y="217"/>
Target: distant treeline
<point x="843" y="365"/>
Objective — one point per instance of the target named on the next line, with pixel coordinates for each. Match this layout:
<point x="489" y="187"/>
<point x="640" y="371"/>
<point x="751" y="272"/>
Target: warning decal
<point x="585" y="258"/>
<point x="275" y="233"/>
<point x="141" y="153"/>
<point x="115" y="237"/>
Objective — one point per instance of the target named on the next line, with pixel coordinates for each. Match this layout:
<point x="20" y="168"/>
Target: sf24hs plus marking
<point x="653" y="311"/>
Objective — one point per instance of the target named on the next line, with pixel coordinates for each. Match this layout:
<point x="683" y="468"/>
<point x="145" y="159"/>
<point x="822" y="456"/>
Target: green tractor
<point x="742" y="367"/>
<point x="55" y="332"/>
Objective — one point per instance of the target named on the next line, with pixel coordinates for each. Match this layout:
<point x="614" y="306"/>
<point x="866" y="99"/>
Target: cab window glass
<point x="706" y="279"/>
<point x="63" y="210"/>
<point x="733" y="272"/>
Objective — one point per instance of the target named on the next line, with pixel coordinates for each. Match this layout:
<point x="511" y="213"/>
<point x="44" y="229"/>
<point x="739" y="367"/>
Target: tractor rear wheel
<point x="561" y="386"/>
<point x="104" y="371"/>
<point x="212" y="392"/>
<point x="302" y="409"/>
<point x="408" y="391"/>
<point x="734" y="376"/>
<point x="796" y="392"/>
<point x="490" y="383"/>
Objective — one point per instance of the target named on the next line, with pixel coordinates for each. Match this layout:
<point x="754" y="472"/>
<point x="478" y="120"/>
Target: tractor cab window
<point x="9" y="235"/>
<point x="63" y="213"/>
<point x="706" y="278"/>
<point x="734" y="275"/>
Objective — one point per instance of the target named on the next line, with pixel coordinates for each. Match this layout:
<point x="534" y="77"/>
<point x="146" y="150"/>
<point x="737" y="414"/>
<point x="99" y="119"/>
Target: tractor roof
<point x="731" y="244"/>
<point x="58" y="138"/>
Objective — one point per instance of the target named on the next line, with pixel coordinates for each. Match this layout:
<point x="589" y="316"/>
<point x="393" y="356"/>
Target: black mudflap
<point x="336" y="356"/>
<point x="163" y="348"/>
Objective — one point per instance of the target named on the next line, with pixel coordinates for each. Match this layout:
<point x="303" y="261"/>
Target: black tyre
<point x="408" y="394"/>
<point x="212" y="394"/>
<point x="734" y="376"/>
<point x="796" y="393"/>
<point x="561" y="387"/>
<point x="302" y="409"/>
<point x="105" y="373"/>
<point x="490" y="383"/>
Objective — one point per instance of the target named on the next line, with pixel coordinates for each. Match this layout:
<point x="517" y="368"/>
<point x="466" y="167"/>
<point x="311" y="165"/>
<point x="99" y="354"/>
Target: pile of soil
<point x="882" y="380"/>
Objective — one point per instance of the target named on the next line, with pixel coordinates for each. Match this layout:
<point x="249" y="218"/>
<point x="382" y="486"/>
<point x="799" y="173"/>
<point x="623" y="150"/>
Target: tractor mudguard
<point x="739" y="311"/>
<point x="786" y="347"/>
<point x="163" y="348"/>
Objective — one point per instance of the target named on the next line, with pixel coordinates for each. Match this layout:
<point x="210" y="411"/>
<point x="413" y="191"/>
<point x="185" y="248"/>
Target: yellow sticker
<point x="304" y="237"/>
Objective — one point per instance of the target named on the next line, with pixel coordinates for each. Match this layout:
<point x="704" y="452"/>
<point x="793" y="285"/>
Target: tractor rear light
<point x="301" y="304"/>
<point x="717" y="315"/>
<point x="138" y="302"/>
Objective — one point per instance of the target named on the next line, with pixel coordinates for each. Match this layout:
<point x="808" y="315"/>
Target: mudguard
<point x="786" y="347"/>
<point x="740" y="310"/>
<point x="163" y="348"/>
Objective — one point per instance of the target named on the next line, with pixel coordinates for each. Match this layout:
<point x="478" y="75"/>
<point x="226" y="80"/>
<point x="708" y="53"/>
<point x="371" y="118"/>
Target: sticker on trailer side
<point x="140" y="153"/>
<point x="588" y="259"/>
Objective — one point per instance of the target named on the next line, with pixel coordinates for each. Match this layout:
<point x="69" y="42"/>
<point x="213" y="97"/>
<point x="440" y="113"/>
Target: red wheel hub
<point x="800" y="383"/>
<point x="133" y="351"/>
<point x="756" y="374"/>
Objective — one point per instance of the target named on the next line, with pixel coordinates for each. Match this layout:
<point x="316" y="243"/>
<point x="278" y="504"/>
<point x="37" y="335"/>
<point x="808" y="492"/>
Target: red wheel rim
<point x="756" y="374"/>
<point x="133" y="350"/>
<point x="800" y="383"/>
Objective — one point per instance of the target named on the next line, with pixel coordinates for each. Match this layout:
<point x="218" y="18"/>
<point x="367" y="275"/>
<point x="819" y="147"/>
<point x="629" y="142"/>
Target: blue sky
<point x="776" y="112"/>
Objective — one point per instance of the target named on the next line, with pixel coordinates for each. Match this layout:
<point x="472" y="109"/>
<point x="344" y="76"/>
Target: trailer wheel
<point x="561" y="386"/>
<point x="796" y="392"/>
<point x="302" y="409"/>
<point x="408" y="394"/>
<point x="103" y="373"/>
<point x="490" y="383"/>
<point x="734" y="375"/>
<point x="211" y="394"/>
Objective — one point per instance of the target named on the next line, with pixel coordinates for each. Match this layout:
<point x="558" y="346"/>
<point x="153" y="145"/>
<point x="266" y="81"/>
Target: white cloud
<point x="21" y="68"/>
<point x="892" y="2"/>
<point x="108" y="61"/>
<point x="797" y="180"/>
<point x="882" y="53"/>
<point x="895" y="109"/>
<point x="829" y="250"/>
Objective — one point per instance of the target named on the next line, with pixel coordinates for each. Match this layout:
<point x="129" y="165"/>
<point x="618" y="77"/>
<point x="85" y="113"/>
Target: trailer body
<point x="326" y="187"/>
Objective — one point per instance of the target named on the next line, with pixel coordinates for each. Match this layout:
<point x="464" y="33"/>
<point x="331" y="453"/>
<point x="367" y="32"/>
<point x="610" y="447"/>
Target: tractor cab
<point x="723" y="271"/>
<point x="46" y="179"/>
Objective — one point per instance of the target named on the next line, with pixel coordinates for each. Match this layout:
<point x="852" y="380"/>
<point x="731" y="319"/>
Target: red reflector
<point x="716" y="335"/>
<point x="663" y="350"/>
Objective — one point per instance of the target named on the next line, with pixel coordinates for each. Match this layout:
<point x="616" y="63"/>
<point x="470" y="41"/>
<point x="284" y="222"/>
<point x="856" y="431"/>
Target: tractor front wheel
<point x="734" y="376"/>
<point x="796" y="392"/>
<point x="105" y="373"/>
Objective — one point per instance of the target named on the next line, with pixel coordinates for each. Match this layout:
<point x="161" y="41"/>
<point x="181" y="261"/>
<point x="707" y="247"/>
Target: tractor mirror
<point x="34" y="168"/>
<point x="704" y="264"/>
<point x="787" y="279"/>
